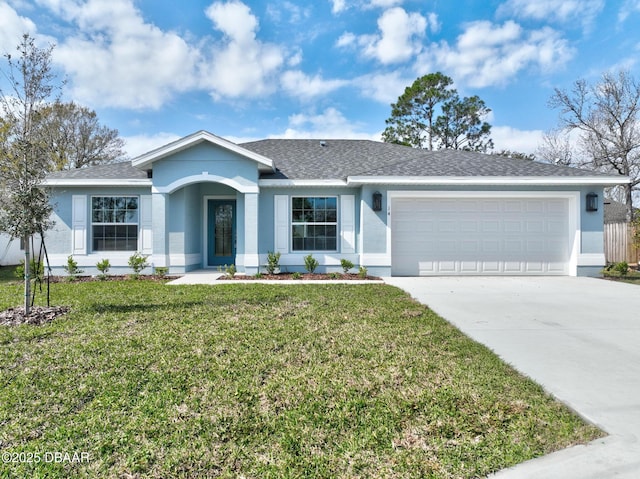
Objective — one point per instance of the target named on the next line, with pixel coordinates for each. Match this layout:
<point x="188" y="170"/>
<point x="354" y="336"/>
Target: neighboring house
<point x="12" y="251"/>
<point x="205" y="202"/>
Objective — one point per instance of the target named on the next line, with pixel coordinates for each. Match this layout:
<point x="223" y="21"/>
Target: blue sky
<point x="160" y="69"/>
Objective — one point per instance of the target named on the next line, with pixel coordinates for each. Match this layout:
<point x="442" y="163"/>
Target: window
<point x="314" y="223"/>
<point x="114" y="223"/>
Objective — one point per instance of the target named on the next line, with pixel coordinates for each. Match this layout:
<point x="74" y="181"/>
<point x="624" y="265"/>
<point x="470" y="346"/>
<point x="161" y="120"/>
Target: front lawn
<point x="261" y="381"/>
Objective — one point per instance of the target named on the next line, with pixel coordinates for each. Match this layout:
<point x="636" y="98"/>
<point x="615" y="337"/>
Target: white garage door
<point x="438" y="236"/>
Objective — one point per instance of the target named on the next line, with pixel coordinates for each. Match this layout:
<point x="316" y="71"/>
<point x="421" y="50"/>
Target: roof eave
<point x="489" y="180"/>
<point x="146" y="160"/>
<point x="78" y="182"/>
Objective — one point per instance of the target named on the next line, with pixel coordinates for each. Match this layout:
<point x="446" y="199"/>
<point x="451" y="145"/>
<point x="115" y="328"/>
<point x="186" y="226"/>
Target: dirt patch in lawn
<point x="37" y="315"/>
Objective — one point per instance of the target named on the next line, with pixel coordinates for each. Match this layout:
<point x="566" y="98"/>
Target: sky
<point x="157" y="70"/>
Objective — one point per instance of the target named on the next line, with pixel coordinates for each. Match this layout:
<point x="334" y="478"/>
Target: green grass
<point x="262" y="381"/>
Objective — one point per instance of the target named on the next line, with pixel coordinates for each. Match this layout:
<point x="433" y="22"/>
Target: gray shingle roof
<point x="338" y="159"/>
<point x="122" y="170"/>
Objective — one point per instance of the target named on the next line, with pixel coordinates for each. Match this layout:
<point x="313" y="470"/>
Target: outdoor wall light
<point x="592" y="202"/>
<point x="377" y="201"/>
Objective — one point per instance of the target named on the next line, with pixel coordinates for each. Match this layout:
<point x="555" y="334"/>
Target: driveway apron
<point x="577" y="337"/>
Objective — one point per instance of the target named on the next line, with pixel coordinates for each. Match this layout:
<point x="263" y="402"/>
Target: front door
<point x="221" y="232"/>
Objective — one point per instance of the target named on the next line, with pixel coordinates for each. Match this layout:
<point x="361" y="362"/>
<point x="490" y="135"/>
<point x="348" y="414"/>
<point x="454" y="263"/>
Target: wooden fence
<point x="618" y="243"/>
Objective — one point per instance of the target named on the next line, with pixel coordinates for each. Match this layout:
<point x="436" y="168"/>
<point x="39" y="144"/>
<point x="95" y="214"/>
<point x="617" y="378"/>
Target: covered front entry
<point x="221" y="232"/>
<point x="482" y="235"/>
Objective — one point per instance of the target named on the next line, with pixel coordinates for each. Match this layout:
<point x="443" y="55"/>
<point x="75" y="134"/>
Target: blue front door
<point x="221" y="232"/>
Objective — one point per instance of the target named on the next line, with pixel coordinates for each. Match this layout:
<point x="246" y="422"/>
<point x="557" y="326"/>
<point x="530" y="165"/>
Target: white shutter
<point x="146" y="225"/>
<point x="281" y="226"/>
<point x="348" y="224"/>
<point x="79" y="224"/>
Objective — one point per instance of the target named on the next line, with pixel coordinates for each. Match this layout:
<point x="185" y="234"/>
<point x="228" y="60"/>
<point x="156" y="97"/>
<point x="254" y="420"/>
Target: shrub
<point x="72" y="268"/>
<point x="362" y="272"/>
<point x="622" y="267"/>
<point x="161" y="271"/>
<point x="36" y="269"/>
<point x="258" y="275"/>
<point x="230" y="271"/>
<point x="346" y="265"/>
<point x="334" y="275"/>
<point x="137" y="262"/>
<point x="273" y="262"/>
<point x="103" y="266"/>
<point x="296" y="275"/>
<point x="310" y="263"/>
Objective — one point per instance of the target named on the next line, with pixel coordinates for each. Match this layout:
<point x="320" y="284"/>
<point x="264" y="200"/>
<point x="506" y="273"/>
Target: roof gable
<point x="145" y="161"/>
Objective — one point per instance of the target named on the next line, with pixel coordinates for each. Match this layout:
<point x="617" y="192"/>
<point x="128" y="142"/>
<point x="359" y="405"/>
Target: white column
<point x="251" y="257"/>
<point x="159" y="203"/>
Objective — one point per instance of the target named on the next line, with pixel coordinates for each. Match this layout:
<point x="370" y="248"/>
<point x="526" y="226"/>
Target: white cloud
<point x="559" y="11"/>
<point x="628" y="8"/>
<point x="488" y="54"/>
<point x="12" y="27"/>
<point x="137" y="145"/>
<point x="385" y="3"/>
<point x="331" y="123"/>
<point x="399" y="38"/>
<point x="118" y="59"/>
<point x="338" y="6"/>
<point x="508" y="138"/>
<point x="299" y="84"/>
<point x="241" y="65"/>
<point x="383" y="87"/>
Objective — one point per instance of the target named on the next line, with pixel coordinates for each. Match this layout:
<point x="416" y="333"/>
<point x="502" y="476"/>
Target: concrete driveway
<point x="577" y="337"/>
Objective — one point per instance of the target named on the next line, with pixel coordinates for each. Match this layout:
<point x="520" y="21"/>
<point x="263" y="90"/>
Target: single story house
<point x="205" y="202"/>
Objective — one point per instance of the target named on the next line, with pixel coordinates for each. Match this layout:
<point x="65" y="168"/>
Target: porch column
<point x="251" y="257"/>
<point x="159" y="203"/>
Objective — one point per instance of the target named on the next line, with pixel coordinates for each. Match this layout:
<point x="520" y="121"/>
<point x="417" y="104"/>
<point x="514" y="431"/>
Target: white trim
<point x="574" y="225"/>
<point x="301" y="183"/>
<point x="53" y="182"/>
<point x="592" y="259"/>
<point x="145" y="160"/>
<point x="205" y="177"/>
<point x="488" y="180"/>
<point x="205" y="225"/>
<point x="145" y="224"/>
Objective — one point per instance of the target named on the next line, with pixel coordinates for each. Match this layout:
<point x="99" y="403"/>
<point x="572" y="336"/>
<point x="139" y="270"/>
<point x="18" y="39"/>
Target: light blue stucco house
<point x="204" y="202"/>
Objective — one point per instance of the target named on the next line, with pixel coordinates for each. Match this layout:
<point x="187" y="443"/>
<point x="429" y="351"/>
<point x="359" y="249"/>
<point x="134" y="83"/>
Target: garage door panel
<point x="480" y="236"/>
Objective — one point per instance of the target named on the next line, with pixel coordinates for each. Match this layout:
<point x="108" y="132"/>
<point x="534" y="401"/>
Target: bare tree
<point x="24" y="204"/>
<point x="74" y="137"/>
<point x="556" y="149"/>
<point x="607" y="115"/>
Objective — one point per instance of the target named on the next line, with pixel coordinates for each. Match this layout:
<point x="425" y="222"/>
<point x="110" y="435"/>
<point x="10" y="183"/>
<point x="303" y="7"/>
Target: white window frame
<point x="137" y="223"/>
<point x="313" y="223"/>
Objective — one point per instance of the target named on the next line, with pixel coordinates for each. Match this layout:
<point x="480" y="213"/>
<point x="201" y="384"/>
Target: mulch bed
<point x="37" y="316"/>
<point x="121" y="277"/>
<point x="302" y="277"/>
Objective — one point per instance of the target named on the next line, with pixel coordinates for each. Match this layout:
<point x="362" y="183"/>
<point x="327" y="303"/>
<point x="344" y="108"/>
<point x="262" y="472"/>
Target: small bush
<point x="161" y="271"/>
<point x="310" y="263"/>
<point x="273" y="262"/>
<point x="362" y="272"/>
<point x="230" y="271"/>
<point x="296" y="275"/>
<point x="137" y="262"/>
<point x="72" y="268"/>
<point x="622" y="268"/>
<point x="334" y="275"/>
<point x="103" y="266"/>
<point x="346" y="265"/>
<point x="258" y="275"/>
<point x="36" y="269"/>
